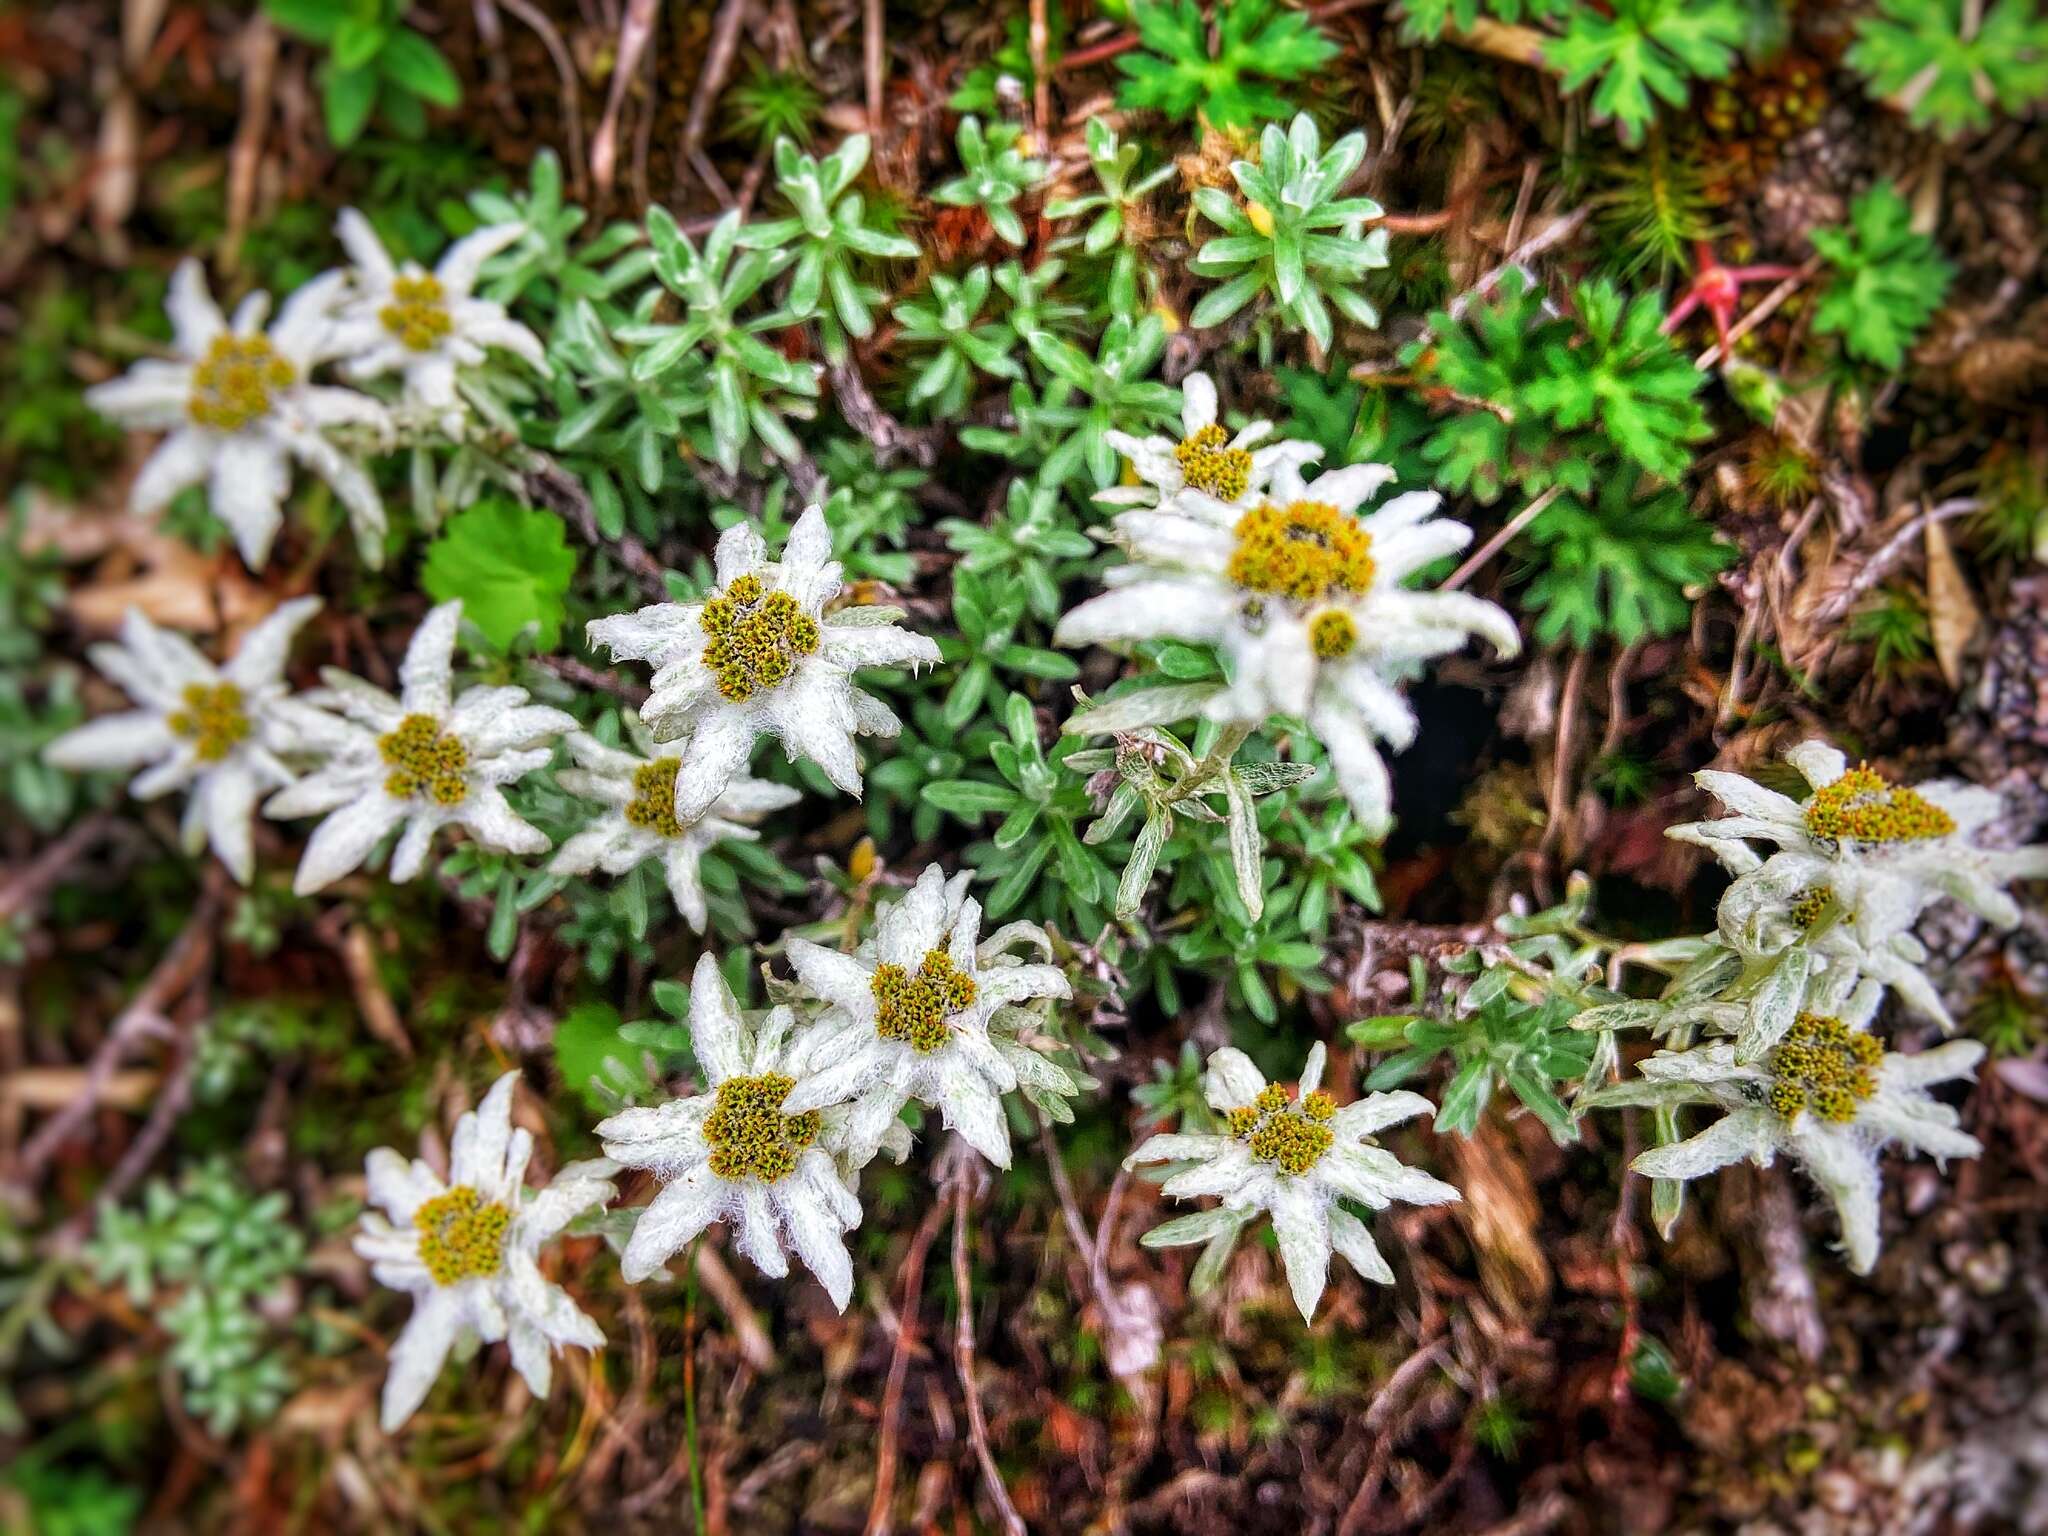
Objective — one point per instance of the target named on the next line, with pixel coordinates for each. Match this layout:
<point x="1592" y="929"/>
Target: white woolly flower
<point x="1297" y="1158"/>
<point x="467" y="1250"/>
<point x="1207" y="468"/>
<point x="425" y="326"/>
<point x="1828" y="1094"/>
<point x="1879" y="853"/>
<point x="424" y="760"/>
<point x="213" y="730"/>
<point x="908" y="1018"/>
<point x="239" y="406"/>
<point x="1306" y="599"/>
<point x="639" y="821"/>
<point x="761" y="656"/>
<point x="737" y="1153"/>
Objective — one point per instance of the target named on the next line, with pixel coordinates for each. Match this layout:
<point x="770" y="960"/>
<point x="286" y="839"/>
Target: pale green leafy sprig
<point x="1115" y="165"/>
<point x="1948" y="63"/>
<point x="831" y="237"/>
<point x="1888" y="280"/>
<point x="748" y="387"/>
<point x="993" y="174"/>
<point x="547" y="252"/>
<point x="1088" y="397"/>
<point x="1034" y="306"/>
<point x="950" y="320"/>
<point x="1295" y="238"/>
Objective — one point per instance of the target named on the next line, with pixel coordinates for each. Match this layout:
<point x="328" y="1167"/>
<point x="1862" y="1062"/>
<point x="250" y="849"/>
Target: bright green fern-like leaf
<point x="1626" y="376"/>
<point x="1423" y="21"/>
<point x="511" y="566"/>
<point x="1174" y="73"/>
<point x="1621" y="566"/>
<point x="1888" y="280"/>
<point x="1927" y="59"/>
<point x="1646" y="49"/>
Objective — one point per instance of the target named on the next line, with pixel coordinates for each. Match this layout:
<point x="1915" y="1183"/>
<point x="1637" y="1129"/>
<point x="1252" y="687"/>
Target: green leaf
<point x="970" y="799"/>
<point x="590" y="1051"/>
<point x="1887" y="280"/>
<point x="511" y="565"/>
<point x="1174" y="73"/>
<point x="315" y="20"/>
<point x="347" y="95"/>
<point x="1923" y="57"/>
<point x="411" y="61"/>
<point x="1647" y="48"/>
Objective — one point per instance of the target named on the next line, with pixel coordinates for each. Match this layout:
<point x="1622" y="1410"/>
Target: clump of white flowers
<point x="1305" y="595"/>
<point x="1296" y="1156"/>
<point x="762" y="656"/>
<point x="467" y="1248"/>
<point x="427" y="759"/>
<point x="425" y="327"/>
<point x="216" y="732"/>
<point x="1810" y="940"/>
<point x="238" y="407"/>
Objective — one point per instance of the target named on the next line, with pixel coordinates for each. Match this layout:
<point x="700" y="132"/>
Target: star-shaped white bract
<point x="239" y="406"/>
<point x="1828" y="1095"/>
<point x="639" y="821"/>
<point x="216" y="731"/>
<point x="1297" y="1157"/>
<point x="762" y="657"/>
<point x="1207" y="469"/>
<point x="467" y="1249"/>
<point x="425" y="326"/>
<point x="1881" y="853"/>
<point x="736" y="1153"/>
<point x="1308" y="601"/>
<point x="909" y="1016"/>
<point x="424" y="760"/>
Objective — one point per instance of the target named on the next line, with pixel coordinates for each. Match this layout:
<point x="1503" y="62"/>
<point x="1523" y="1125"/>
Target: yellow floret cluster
<point x="233" y="384"/>
<point x="1306" y="551"/>
<point x="750" y="1136"/>
<point x="462" y="1235"/>
<point x="1207" y="464"/>
<point x="754" y="637"/>
<point x="424" y="762"/>
<point x="1811" y="902"/>
<point x="1293" y="1137"/>
<point x="1333" y="634"/>
<point x="418" y="313"/>
<point x="915" y="1008"/>
<point x="1825" y="1066"/>
<point x="653" y="805"/>
<point x="1863" y="807"/>
<point x="213" y="720"/>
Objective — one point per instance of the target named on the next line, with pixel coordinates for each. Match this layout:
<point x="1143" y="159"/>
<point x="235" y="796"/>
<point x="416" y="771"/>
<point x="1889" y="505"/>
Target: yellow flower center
<point x="1813" y="901"/>
<point x="654" y="797"/>
<point x="418" y="313"/>
<point x="424" y="761"/>
<point x="1305" y="550"/>
<point x="1825" y="1066"/>
<point x="1332" y="634"/>
<point x="915" y="1008"/>
<point x="1208" y="465"/>
<point x="212" y="720"/>
<point x="462" y="1235"/>
<point x="754" y="637"/>
<point x="750" y="1136"/>
<point x="1863" y="807"/>
<point x="1293" y="1137"/>
<point x="233" y="384"/>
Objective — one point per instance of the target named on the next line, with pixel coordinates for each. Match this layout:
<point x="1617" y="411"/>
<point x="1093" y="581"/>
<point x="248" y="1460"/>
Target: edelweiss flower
<point x="762" y="657"/>
<point x="1207" y="468"/>
<point x="1296" y="1157"/>
<point x="214" y="729"/>
<point x="466" y="1249"/>
<point x="738" y="1153"/>
<point x="640" y="820"/>
<point x="1307" y="601"/>
<point x="1828" y="1094"/>
<point x="239" y="405"/>
<point x="420" y="760"/>
<point x="1877" y="852"/>
<point x="421" y="325"/>
<point x="909" y="1018"/>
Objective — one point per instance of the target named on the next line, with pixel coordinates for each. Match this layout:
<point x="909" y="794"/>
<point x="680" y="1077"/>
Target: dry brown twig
<point x="572" y="102"/>
<point x="911" y="1278"/>
<point x="966" y="1173"/>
